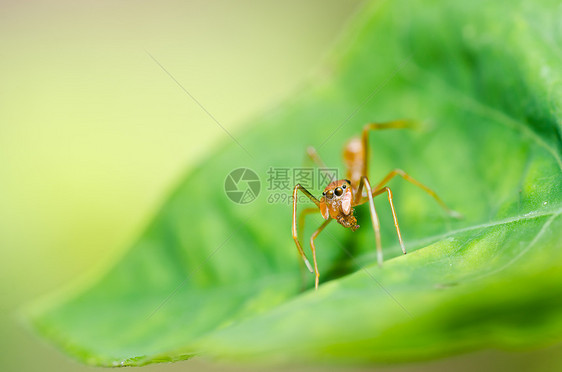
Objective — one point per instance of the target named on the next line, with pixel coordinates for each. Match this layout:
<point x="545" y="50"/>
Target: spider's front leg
<point x="314" y="235"/>
<point x="364" y="182"/>
<point x="294" y="226"/>
<point x="301" y="225"/>
<point x="374" y="217"/>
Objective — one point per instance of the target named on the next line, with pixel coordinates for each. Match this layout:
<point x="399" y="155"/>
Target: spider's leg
<point x="313" y="155"/>
<point x="407" y="177"/>
<point x="294" y="225"/>
<point x="314" y="235"/>
<point x="374" y="217"/>
<point x="396" y="124"/>
<point x="387" y="190"/>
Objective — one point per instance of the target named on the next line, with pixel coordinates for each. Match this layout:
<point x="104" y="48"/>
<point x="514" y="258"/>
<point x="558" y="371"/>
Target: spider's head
<point x="336" y="202"/>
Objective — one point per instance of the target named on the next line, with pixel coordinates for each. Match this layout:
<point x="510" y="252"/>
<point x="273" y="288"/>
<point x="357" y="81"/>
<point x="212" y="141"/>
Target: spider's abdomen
<point x="353" y="157"/>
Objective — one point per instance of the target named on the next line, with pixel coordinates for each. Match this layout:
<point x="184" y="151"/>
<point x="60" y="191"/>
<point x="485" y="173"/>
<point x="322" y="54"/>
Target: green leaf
<point x="220" y="279"/>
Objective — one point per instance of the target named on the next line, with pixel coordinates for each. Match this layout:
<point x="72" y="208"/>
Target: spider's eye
<point x="324" y="193"/>
<point x="343" y="186"/>
<point x="338" y="191"/>
<point x="330" y="194"/>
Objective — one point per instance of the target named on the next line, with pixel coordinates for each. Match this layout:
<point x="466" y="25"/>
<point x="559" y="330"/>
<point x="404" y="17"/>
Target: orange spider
<point x="339" y="197"/>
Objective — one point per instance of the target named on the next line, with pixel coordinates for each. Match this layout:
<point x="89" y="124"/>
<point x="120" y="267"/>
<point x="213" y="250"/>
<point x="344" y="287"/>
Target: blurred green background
<point x="93" y="133"/>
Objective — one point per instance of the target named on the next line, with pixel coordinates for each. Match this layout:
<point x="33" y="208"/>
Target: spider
<point x="339" y="197"/>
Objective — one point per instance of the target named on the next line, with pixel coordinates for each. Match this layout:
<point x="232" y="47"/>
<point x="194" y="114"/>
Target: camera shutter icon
<point x="242" y="185"/>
